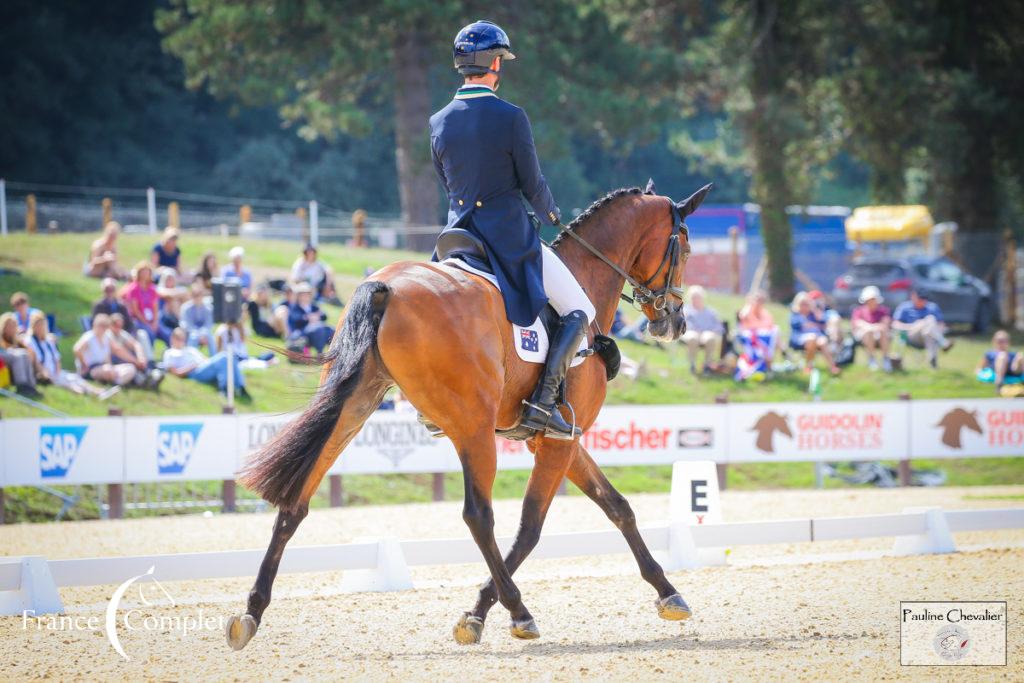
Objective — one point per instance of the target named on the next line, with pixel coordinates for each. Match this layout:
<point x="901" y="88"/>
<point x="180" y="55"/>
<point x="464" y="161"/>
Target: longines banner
<point x="190" y="448"/>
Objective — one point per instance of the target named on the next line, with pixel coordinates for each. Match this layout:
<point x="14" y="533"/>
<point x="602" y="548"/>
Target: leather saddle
<point x="464" y="245"/>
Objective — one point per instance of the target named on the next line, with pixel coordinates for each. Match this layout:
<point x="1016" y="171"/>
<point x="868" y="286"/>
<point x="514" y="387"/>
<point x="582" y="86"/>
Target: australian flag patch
<point x="528" y="340"/>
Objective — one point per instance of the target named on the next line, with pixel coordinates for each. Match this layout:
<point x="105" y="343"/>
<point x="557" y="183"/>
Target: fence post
<point x="438" y="486"/>
<point x="721" y="467"/>
<point x="734" y="259"/>
<point x="337" y="490"/>
<point x="228" y="489"/>
<point x="358" y="228"/>
<point x="1011" y="280"/>
<point x="108" y="211"/>
<point x="314" y="223"/>
<point x="173" y="215"/>
<point x="30" y="213"/>
<point x="302" y="214"/>
<point x="244" y="216"/>
<point x="1" y="506"/>
<point x="115" y="492"/>
<point x="151" y="209"/>
<point x="904" y="466"/>
<point x="3" y="207"/>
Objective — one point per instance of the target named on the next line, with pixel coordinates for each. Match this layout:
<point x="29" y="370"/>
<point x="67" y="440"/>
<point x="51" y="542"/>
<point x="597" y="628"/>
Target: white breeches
<point x="564" y="294"/>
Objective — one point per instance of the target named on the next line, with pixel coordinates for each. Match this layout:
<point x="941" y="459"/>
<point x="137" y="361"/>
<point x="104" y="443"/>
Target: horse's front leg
<point x="585" y="473"/>
<point x="479" y="464"/>
<point x="551" y="462"/>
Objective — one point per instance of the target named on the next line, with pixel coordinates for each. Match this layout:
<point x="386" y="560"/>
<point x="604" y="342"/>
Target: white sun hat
<point x="870" y="292"/>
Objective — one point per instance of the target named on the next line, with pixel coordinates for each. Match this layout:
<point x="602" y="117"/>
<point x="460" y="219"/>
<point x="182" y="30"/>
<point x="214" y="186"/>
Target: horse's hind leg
<point x="356" y="410"/>
<point x="552" y="461"/>
<point x="585" y="473"/>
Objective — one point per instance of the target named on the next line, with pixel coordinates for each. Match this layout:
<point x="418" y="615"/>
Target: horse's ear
<point x="650" y="187"/>
<point x="691" y="203"/>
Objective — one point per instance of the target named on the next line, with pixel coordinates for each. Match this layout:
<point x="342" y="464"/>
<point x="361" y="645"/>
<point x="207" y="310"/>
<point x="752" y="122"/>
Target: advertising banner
<point x="823" y="431"/>
<point x="54" y="451"/>
<point x="967" y="428"/>
<point x="181" y="448"/>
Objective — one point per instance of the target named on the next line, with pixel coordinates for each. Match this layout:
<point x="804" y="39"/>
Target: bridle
<point x="642" y="292"/>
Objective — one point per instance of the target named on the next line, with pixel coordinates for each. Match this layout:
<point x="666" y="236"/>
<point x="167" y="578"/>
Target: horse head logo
<point x="954" y="422"/>
<point x="766" y="426"/>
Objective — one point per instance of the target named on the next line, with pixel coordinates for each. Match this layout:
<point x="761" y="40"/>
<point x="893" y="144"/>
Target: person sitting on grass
<point x="236" y="271"/>
<point x="306" y="320"/>
<point x="166" y="253"/>
<point x="94" y="356"/>
<point x="102" y="261"/>
<point x="703" y="331"/>
<point x="284" y="308"/>
<point x="126" y="348"/>
<point x="310" y="269"/>
<point x="22" y="310"/>
<point x="261" y="314"/>
<point x="197" y="318"/>
<point x="171" y="296"/>
<point x="808" y="333"/>
<point x="143" y="302"/>
<point x="18" y="356"/>
<point x="188" y="362"/>
<point x="48" y="367"/>
<point x="207" y="271"/>
<point x="758" y="335"/>
<point x="231" y="337"/>
<point x="872" y="327"/>
<point x="1000" y="365"/>
<point x="921" y="325"/>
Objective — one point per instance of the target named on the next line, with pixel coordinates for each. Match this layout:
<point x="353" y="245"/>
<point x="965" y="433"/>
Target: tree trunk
<point x="770" y="187"/>
<point x="417" y="183"/>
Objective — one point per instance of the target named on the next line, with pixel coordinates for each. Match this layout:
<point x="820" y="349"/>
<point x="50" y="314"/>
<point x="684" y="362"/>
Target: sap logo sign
<point x="58" y="447"/>
<point x="175" y="444"/>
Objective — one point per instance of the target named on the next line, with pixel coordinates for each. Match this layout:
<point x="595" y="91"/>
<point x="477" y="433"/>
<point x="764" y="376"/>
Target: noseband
<point x="642" y="293"/>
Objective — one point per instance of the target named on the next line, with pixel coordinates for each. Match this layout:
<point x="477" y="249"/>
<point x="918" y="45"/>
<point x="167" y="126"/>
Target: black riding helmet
<point x="476" y="46"/>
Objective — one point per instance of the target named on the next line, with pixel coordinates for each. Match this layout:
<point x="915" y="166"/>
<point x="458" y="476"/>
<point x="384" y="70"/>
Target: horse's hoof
<point x="525" y="630"/>
<point x="468" y="630"/>
<point x="240" y="631"/>
<point x="673" y="608"/>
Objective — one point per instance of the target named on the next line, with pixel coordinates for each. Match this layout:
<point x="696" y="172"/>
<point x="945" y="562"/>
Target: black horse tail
<point x="279" y="470"/>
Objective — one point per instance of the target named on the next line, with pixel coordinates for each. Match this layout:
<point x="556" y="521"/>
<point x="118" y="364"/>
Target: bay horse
<point x="440" y="334"/>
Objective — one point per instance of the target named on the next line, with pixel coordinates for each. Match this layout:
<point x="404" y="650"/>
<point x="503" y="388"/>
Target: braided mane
<point x="595" y="208"/>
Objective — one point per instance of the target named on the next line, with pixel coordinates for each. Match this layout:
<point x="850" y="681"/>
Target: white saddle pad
<point x="531" y="342"/>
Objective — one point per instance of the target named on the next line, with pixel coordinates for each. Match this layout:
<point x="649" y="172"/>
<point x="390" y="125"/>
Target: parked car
<point x="962" y="297"/>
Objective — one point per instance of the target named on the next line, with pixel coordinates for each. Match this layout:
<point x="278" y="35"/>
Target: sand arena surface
<point x="771" y="614"/>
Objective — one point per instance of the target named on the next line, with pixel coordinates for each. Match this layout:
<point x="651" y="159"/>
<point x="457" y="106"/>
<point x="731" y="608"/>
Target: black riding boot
<point x="541" y="414"/>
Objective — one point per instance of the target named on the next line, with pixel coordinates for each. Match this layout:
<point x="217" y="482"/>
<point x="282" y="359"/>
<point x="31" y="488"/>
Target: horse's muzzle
<point x="669" y="327"/>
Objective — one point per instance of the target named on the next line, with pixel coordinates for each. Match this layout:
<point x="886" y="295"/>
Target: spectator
<point x="305" y="319"/>
<point x="166" y="253"/>
<point x="111" y="305"/>
<point x="188" y="362"/>
<point x="142" y="300"/>
<point x="1000" y="363"/>
<point x="921" y="325"/>
<point x="48" y="368"/>
<point x="94" y="355"/>
<point x="703" y="331"/>
<point x="833" y="321"/>
<point x="872" y="327"/>
<point x="622" y="330"/>
<point x="126" y="348"/>
<point x="18" y="356"/>
<point x="171" y="297"/>
<point x="207" y="270"/>
<point x="231" y="337"/>
<point x="758" y="336"/>
<point x="310" y="269"/>
<point x="102" y="261"/>
<point x="284" y="309"/>
<point x="261" y="314"/>
<point x="808" y="333"/>
<point x="236" y="271"/>
<point x="197" y="318"/>
<point x="22" y="310"/>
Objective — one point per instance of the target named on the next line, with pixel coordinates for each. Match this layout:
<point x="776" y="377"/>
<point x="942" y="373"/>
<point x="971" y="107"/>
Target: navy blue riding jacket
<point x="484" y="154"/>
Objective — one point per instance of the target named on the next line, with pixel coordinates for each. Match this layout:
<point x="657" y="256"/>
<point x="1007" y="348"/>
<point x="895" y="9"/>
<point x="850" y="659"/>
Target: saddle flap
<point x="459" y="241"/>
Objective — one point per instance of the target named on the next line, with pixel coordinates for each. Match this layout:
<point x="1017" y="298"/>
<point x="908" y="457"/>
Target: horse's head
<point x="660" y="262"/>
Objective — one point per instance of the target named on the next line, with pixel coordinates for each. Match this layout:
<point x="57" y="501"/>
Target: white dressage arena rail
<point x="30" y="583"/>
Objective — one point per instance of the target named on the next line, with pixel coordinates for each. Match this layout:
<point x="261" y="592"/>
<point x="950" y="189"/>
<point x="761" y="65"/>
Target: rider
<point x="484" y="154"/>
